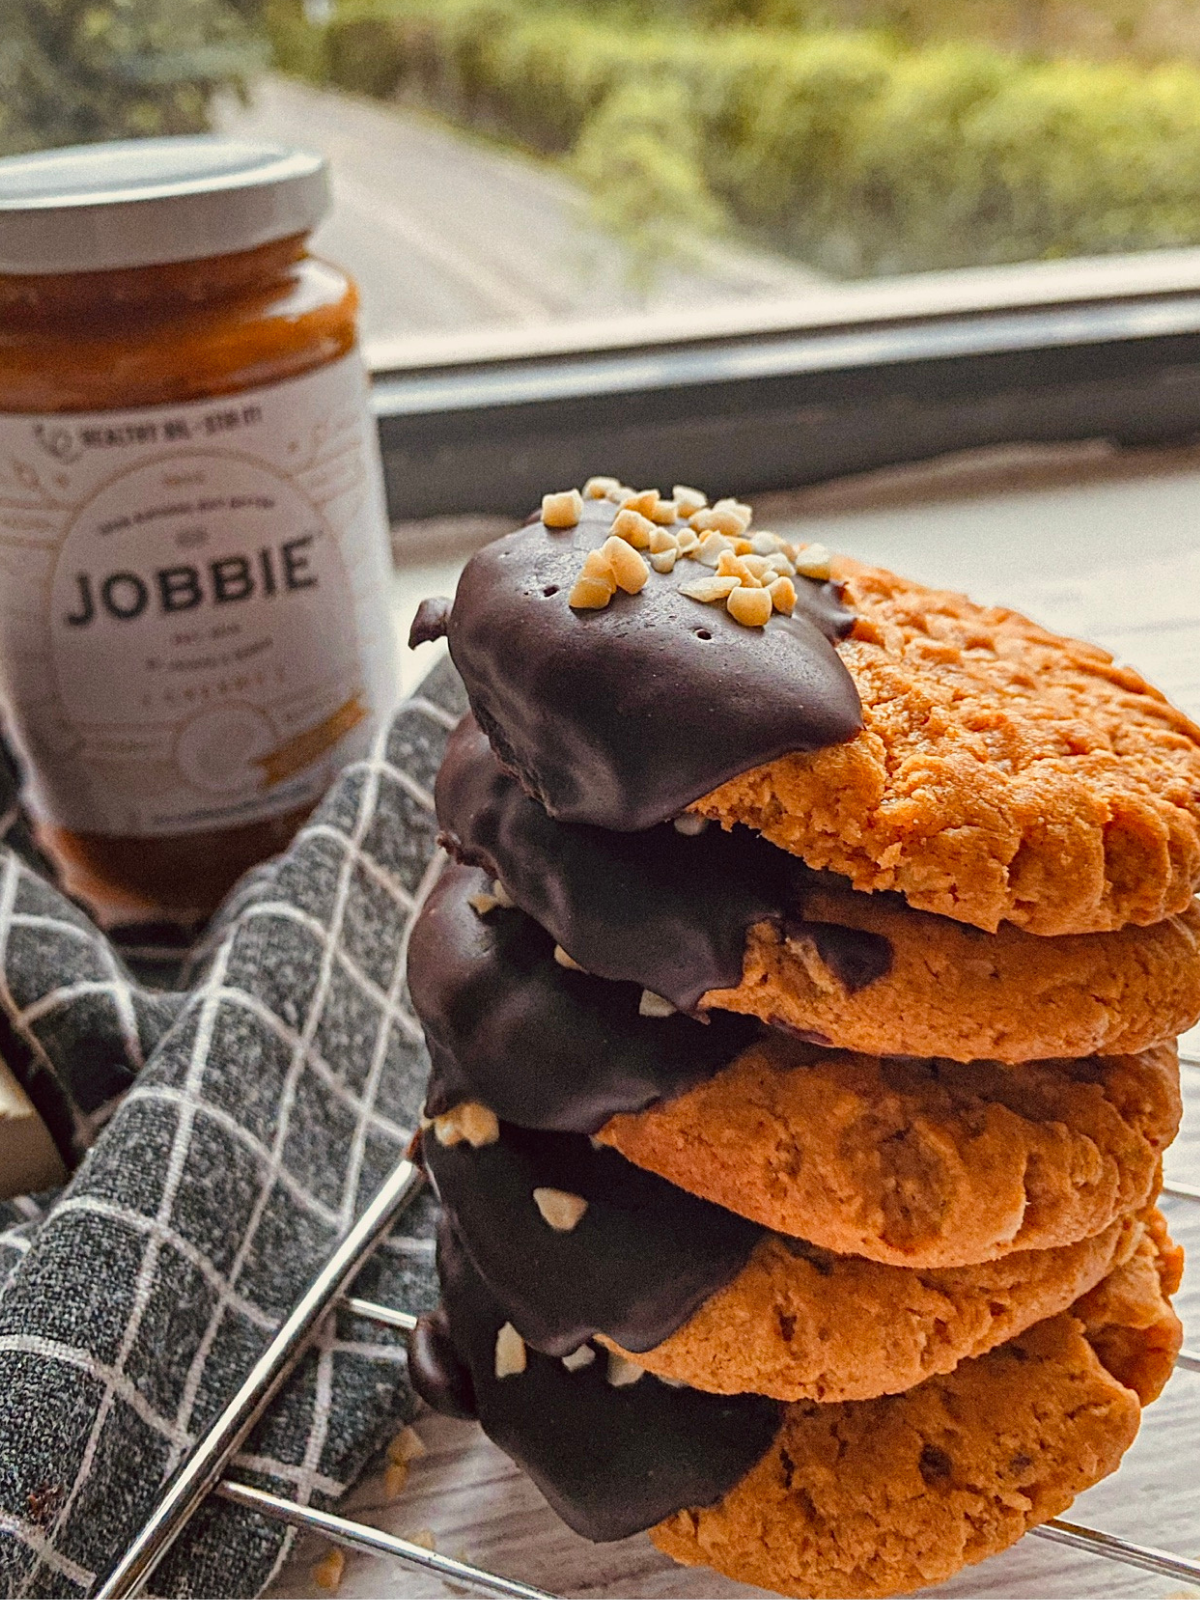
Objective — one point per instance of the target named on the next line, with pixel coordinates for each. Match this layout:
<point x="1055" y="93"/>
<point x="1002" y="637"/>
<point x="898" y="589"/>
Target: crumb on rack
<point x="327" y="1573"/>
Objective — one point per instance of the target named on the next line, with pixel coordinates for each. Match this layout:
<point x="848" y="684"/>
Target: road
<point x="445" y="232"/>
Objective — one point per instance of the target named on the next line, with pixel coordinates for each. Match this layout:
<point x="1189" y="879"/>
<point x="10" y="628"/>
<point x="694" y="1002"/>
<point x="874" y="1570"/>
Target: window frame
<point x="774" y="395"/>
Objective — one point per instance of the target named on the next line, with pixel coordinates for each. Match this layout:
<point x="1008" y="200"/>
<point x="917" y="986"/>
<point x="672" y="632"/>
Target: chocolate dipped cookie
<point x="869" y="1497"/>
<point x="575" y="1244"/>
<point x="905" y="737"/>
<point x="919" y="1163"/>
<point x="886" y="1496"/>
<point x="908" y="1161"/>
<point x="725" y="920"/>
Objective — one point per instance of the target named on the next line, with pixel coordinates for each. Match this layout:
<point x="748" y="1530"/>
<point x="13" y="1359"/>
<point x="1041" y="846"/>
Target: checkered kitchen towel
<point x="246" y="1119"/>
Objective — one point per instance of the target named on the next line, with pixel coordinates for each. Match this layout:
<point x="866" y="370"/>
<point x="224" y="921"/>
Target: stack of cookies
<point x="801" y="1001"/>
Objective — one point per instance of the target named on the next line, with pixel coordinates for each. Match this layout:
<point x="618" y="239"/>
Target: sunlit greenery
<point x="73" y="71"/>
<point x="857" y="150"/>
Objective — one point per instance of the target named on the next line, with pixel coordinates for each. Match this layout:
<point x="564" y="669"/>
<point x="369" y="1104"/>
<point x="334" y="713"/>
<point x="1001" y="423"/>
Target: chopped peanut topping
<point x="714" y="521"/>
<point x="627" y="567"/>
<point x="688" y="500"/>
<point x="622" y="1372"/>
<point x="629" y="524"/>
<point x="712" y="547"/>
<point x="690" y="824"/>
<point x="751" y="607"/>
<point x="601" y="488"/>
<point x="731" y="566"/>
<point x="510" y="1352"/>
<point x="424" y="1537"/>
<point x="766" y="544"/>
<point x="395" y="1477"/>
<point x="559" y="1208"/>
<point x="591" y="594"/>
<point x="578" y="1359"/>
<point x="653" y="1005"/>
<point x="562" y="510"/>
<point x="482" y="902"/>
<point x="753" y="573"/>
<point x="597" y="565"/>
<point x="468" y="1120"/>
<point x="737" y="508"/>
<point x="783" y="595"/>
<point x="642" y="500"/>
<point x="502" y="895"/>
<point x="406" y="1446"/>
<point x="812" y="561"/>
<point x="564" y="960"/>
<point x="707" y="590"/>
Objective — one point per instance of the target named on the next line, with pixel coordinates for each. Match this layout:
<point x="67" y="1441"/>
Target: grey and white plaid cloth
<point x="237" y="1126"/>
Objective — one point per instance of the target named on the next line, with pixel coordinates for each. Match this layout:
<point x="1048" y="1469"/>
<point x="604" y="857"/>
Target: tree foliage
<point x="858" y="151"/>
<point x="74" y="71"/>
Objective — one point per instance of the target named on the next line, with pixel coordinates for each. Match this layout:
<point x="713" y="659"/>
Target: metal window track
<point x="884" y="382"/>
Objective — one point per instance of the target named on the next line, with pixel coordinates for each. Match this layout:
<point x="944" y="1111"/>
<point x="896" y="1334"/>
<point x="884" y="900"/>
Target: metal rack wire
<point x="203" y="1471"/>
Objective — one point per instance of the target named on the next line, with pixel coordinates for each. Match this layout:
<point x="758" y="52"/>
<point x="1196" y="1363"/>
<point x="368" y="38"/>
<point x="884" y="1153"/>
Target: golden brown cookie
<point x="1003" y="773"/>
<point x="880" y="1497"/>
<point x="956" y="992"/>
<point x="799" y="1323"/>
<point x="919" y="1163"/>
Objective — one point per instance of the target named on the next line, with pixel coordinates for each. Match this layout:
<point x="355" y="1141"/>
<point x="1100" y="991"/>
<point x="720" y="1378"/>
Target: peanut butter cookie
<point x="803" y="1324"/>
<point x="884" y="1496"/>
<point x="727" y="920"/>
<point x="917" y="1163"/>
<point x="956" y="992"/>
<point x="1003" y="773"/>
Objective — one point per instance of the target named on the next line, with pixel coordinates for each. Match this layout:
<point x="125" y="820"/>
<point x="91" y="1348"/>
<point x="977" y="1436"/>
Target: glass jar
<point x="195" y="629"/>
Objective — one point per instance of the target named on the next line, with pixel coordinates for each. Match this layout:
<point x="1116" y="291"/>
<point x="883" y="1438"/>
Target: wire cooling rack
<point x="203" y="1472"/>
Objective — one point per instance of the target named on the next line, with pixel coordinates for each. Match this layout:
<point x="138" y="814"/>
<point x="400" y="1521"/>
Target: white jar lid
<point x="143" y="202"/>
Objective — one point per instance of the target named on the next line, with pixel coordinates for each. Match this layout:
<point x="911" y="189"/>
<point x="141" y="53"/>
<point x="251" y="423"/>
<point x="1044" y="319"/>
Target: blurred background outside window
<point x="521" y="176"/>
<point x="515" y="163"/>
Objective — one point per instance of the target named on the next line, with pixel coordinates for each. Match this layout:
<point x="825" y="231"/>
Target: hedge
<point x="852" y="150"/>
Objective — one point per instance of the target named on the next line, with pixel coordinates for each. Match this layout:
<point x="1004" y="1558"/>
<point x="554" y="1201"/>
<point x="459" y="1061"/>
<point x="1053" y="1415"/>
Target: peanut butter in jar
<point x="195" y="631"/>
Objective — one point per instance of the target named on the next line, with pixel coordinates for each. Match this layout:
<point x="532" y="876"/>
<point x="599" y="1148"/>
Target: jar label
<point x="195" y="627"/>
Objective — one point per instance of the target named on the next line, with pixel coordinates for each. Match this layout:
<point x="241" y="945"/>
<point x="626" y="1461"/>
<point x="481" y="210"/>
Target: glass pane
<point x="518" y="162"/>
<point x="509" y="165"/>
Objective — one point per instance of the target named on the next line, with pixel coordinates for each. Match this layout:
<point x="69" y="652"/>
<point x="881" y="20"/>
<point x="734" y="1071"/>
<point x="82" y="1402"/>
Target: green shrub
<point x="638" y="156"/>
<point x="73" y="71"/>
<point x="855" y="151"/>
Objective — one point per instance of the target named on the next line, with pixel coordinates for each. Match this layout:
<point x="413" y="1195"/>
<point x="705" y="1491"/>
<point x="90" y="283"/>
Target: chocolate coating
<point x="663" y="909"/>
<point x="543" y="1047"/>
<point x="622" y="717"/>
<point x="639" y="1262"/>
<point x="430" y="621"/>
<point x="436" y="1371"/>
<point x="610" y="1461"/>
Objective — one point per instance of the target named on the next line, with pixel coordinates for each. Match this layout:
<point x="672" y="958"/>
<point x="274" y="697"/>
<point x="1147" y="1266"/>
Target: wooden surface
<point x="1103" y="547"/>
